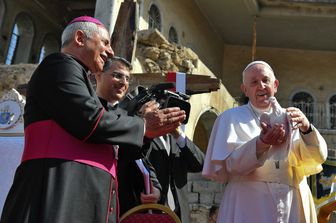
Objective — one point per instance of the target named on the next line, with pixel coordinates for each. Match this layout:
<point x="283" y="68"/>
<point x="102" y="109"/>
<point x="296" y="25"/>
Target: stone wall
<point x="13" y="76"/>
<point x="204" y="197"/>
<point x="192" y="28"/>
<point x="157" y="55"/>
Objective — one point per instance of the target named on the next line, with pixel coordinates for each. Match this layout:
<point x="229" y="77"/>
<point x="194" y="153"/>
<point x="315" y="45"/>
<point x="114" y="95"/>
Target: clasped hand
<point x="158" y="121"/>
<point x="273" y="135"/>
<point x="277" y="134"/>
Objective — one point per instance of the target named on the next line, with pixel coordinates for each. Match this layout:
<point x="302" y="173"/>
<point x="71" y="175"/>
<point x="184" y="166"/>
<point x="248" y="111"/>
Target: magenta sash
<point x="46" y="139"/>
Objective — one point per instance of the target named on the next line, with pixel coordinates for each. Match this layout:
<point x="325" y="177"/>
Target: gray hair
<point x="89" y="28"/>
<point x="254" y="63"/>
<point x="122" y="60"/>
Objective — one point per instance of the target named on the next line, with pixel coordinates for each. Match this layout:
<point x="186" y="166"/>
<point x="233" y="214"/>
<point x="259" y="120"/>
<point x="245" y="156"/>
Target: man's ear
<point x="243" y="89"/>
<point x="79" y="38"/>
<point x="276" y="85"/>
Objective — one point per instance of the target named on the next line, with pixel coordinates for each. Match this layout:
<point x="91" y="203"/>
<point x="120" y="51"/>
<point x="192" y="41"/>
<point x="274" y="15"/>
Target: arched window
<point x="172" y="35"/>
<point x="12" y="45"/>
<point x="154" y="20"/>
<point x="203" y="129"/>
<point x="305" y="102"/>
<point x="21" y="40"/>
<point x="42" y="54"/>
<point x="50" y="45"/>
<point x="332" y="111"/>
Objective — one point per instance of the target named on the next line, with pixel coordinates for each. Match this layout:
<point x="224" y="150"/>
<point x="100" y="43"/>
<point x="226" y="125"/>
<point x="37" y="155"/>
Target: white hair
<point x="89" y="28"/>
<point x="254" y="63"/>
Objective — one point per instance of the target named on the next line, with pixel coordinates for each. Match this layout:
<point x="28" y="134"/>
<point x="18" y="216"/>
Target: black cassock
<point x="61" y="190"/>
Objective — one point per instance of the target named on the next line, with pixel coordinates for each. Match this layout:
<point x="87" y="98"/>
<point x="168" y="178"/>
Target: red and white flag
<point x="179" y="79"/>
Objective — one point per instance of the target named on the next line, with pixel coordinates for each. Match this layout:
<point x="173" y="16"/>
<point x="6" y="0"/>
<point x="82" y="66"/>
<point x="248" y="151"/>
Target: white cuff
<point x="181" y="140"/>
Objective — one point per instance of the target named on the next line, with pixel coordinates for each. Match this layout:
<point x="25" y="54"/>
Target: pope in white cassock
<point x="264" y="163"/>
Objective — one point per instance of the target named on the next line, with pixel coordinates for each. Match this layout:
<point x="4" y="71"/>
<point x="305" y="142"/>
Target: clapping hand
<point x="161" y="121"/>
<point x="272" y="135"/>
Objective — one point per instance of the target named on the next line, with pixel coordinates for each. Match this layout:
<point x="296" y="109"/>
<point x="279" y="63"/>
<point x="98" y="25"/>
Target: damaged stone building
<point x="210" y="41"/>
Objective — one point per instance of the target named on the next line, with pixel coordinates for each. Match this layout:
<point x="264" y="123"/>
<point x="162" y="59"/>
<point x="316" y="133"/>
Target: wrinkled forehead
<point x="259" y="68"/>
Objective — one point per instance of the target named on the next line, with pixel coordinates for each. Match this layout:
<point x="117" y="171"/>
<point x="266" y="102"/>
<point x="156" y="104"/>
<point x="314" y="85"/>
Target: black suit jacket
<point x="130" y="178"/>
<point x="173" y="169"/>
<point x="131" y="183"/>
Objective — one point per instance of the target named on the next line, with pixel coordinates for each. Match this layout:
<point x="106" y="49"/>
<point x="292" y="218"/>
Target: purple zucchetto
<point x="86" y="19"/>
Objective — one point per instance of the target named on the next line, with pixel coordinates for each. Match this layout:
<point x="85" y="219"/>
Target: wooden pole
<point x="254" y="40"/>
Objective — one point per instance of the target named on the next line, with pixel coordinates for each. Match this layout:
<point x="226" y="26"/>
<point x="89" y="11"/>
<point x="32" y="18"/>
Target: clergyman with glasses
<point x="137" y="181"/>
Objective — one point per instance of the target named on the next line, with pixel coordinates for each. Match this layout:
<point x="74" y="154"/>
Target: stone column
<point x="107" y="12"/>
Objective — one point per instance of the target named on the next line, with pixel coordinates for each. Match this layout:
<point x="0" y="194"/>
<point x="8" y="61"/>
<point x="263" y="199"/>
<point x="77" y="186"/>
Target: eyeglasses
<point x="120" y="76"/>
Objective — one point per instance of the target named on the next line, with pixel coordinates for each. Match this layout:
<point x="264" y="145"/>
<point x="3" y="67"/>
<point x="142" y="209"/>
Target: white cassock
<point x="257" y="191"/>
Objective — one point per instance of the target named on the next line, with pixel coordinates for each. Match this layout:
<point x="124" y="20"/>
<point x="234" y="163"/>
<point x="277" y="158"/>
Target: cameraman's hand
<point x="160" y="121"/>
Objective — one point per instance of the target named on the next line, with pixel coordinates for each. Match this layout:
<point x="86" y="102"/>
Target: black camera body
<point x="134" y="100"/>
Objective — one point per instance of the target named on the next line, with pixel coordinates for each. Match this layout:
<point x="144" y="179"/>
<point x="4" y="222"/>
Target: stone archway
<point x="203" y="129"/>
<point x="203" y="193"/>
<point x="201" y="137"/>
<point x="50" y="45"/>
<point x="26" y="32"/>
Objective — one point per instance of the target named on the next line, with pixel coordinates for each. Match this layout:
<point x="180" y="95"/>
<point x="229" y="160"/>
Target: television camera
<point x="134" y="100"/>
